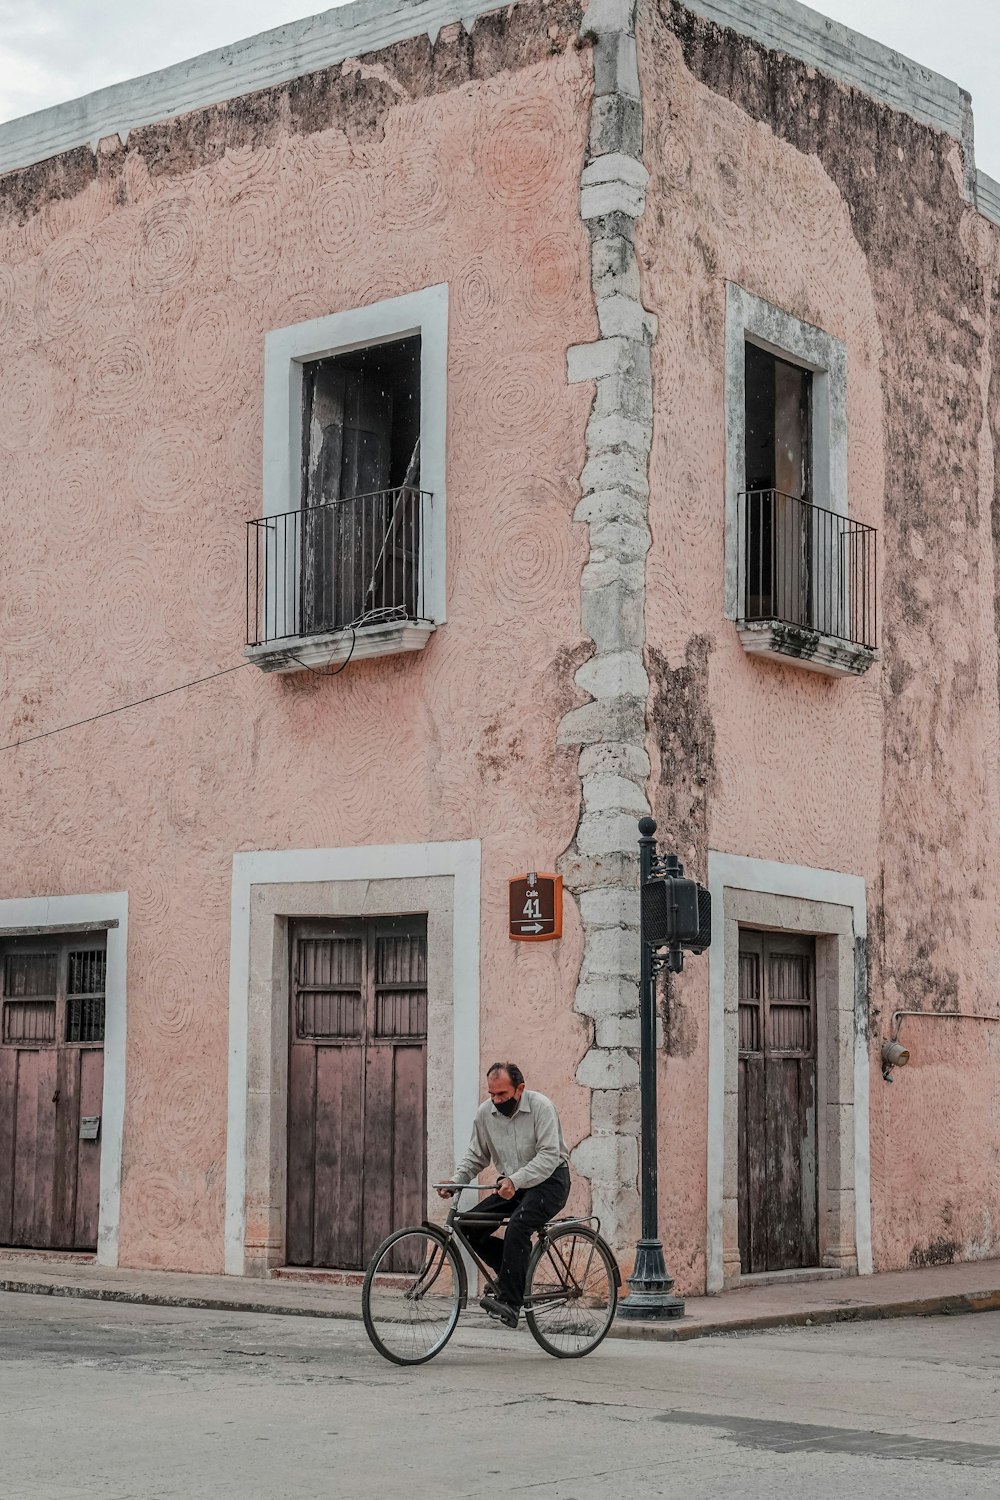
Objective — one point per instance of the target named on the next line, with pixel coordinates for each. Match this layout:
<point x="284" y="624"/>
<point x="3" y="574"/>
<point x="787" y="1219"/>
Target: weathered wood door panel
<point x="86" y="1066"/>
<point x="34" y="1148"/>
<point x="357" y="1087"/>
<point x="778" y="1218"/>
<point x="51" y="1077"/>
<point x="338" y="1165"/>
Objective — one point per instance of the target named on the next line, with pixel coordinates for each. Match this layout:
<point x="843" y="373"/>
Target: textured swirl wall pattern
<point x="137" y="285"/>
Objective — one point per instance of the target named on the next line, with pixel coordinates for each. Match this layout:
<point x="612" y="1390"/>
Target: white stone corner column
<point x="601" y="865"/>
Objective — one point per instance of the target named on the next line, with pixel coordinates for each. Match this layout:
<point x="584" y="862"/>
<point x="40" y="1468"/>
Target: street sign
<point x="535" y="908"/>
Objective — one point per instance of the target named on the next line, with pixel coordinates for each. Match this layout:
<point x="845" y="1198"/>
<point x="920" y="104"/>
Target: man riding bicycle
<point x="518" y="1130"/>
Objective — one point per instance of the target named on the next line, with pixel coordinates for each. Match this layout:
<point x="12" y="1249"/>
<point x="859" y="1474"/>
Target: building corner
<point x="600" y="866"/>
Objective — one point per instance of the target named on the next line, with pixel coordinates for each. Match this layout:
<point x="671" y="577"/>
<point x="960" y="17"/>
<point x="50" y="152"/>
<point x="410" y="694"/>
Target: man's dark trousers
<point x="528" y="1209"/>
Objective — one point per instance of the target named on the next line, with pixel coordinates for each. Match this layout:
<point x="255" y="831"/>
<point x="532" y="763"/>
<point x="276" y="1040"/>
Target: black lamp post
<point x="650" y="1283"/>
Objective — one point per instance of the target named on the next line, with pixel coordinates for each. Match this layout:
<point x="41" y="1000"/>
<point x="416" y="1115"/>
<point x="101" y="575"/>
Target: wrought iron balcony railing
<point x="807" y="567"/>
<point x="327" y="568"/>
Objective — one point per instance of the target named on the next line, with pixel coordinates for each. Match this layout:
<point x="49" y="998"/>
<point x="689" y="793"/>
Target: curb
<point x="166" y="1299"/>
<point x="858" y="1312"/>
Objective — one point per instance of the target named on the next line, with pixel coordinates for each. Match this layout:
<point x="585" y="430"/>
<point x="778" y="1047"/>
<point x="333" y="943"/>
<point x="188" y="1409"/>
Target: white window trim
<point x="739" y="872"/>
<point x="750" y="319"/>
<point x="286" y="351"/>
<point x="57" y="914"/>
<point x="462" y="860"/>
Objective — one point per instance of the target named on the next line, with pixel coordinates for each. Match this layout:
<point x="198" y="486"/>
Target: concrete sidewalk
<point x="973" y="1287"/>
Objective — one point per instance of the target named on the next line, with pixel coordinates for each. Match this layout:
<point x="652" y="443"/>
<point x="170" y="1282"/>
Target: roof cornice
<point x="259" y="62"/>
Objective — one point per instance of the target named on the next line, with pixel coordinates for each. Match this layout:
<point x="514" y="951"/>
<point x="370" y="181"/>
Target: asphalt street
<point x="102" y="1401"/>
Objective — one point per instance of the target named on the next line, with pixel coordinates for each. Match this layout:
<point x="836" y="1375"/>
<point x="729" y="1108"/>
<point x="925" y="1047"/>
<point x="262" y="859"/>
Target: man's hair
<point x="511" y="1069"/>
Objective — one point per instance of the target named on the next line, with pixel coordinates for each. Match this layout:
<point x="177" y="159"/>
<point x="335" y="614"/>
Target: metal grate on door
<point x="85" y="995"/>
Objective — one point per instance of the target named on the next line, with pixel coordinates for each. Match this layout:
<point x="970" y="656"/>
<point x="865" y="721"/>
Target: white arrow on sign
<point x="537" y="927"/>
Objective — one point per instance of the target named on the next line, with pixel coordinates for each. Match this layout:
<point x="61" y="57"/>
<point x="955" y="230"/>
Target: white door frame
<point x="738" y="872"/>
<point x="110" y="912"/>
<point x="460" y="860"/>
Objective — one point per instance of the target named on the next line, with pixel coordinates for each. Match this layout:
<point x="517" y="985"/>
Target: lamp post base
<point x="650" y="1297"/>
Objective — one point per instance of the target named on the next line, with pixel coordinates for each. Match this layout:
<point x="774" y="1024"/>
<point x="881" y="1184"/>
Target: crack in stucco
<point x="601" y="865"/>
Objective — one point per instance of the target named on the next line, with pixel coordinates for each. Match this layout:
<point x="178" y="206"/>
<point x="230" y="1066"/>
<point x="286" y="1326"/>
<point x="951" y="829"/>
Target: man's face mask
<point x="507" y="1106"/>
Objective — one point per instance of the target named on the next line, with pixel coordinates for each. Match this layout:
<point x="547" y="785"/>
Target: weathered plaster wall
<point x="850" y="216"/>
<point x="136" y="286"/>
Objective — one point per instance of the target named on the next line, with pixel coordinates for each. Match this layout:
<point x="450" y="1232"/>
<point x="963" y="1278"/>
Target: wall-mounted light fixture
<point x="894" y="1055"/>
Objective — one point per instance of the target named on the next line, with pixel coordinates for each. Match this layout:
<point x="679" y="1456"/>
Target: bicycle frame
<point x="451" y="1231"/>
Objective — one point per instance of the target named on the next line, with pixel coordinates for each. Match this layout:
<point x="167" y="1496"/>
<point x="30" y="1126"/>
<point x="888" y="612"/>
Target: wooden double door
<point x="357" y="1087"/>
<point x="778" y="1220"/>
<point x="52" y="1015"/>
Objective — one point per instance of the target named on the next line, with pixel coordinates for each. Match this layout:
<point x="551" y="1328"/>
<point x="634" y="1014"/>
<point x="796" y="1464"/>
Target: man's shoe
<point x="508" y="1315"/>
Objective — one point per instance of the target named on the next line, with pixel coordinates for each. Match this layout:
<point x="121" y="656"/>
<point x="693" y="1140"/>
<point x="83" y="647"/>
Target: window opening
<point x="360" y="522"/>
<point x="778" y="472"/>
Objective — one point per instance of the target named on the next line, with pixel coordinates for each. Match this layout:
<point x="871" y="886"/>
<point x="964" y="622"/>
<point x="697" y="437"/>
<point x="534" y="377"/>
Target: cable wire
<point x="122" y="707"/>
<point x="336" y="671"/>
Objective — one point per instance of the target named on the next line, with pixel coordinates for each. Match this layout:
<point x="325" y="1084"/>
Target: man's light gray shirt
<point x="527" y="1148"/>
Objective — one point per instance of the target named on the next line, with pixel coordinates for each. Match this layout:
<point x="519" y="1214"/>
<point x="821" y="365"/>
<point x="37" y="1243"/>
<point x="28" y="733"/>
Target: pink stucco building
<point x="538" y="418"/>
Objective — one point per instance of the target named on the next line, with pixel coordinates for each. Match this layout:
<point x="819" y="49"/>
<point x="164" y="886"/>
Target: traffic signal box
<point x="676" y="913"/>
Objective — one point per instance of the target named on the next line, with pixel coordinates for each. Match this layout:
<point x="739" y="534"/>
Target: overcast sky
<point x="52" y="50"/>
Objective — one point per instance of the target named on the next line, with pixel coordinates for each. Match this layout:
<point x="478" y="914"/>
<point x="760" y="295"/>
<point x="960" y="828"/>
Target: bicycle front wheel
<point x="571" y="1293"/>
<point x="412" y="1296"/>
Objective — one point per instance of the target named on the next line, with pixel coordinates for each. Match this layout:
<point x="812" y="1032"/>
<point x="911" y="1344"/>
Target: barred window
<point x="85" y="996"/>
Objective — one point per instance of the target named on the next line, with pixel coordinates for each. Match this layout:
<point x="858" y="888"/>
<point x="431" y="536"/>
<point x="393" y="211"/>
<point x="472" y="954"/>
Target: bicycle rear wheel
<point x="412" y="1295"/>
<point x="571" y="1292"/>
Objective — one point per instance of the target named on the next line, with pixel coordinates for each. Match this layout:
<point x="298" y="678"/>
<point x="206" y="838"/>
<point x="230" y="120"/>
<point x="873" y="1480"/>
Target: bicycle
<point x="416" y="1285"/>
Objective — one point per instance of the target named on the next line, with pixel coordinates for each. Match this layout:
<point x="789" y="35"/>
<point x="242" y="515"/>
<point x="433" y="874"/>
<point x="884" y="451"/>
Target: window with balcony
<point x="800" y="572"/>
<point x="348" y="559"/>
<point x="358" y="534"/>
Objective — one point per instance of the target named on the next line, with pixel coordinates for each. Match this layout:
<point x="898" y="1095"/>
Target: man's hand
<point x="506" y="1188"/>
<point x="444" y="1192"/>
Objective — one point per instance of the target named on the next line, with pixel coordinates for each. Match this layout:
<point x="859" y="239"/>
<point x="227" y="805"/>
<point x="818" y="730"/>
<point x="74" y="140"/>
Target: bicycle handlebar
<point x="472" y="1187"/>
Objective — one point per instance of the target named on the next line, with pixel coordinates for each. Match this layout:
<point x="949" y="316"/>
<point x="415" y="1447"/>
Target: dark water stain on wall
<point x="679" y="1020"/>
<point x="680" y="721"/>
<point x="924" y="983"/>
<point x="23" y="193"/>
<point x="355" y="97"/>
<point x="940" y="1252"/>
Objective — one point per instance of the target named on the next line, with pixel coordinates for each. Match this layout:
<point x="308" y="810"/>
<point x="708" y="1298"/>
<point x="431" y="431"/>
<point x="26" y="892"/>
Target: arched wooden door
<point x="51" y="1090"/>
<point x="356" y="1087"/>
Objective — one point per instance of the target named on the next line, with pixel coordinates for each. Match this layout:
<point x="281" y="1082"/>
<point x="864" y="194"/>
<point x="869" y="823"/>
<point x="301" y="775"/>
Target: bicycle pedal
<point x="494" y="1308"/>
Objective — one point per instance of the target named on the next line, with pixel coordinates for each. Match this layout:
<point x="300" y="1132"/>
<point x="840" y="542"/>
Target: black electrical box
<point x="676" y="913"/>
